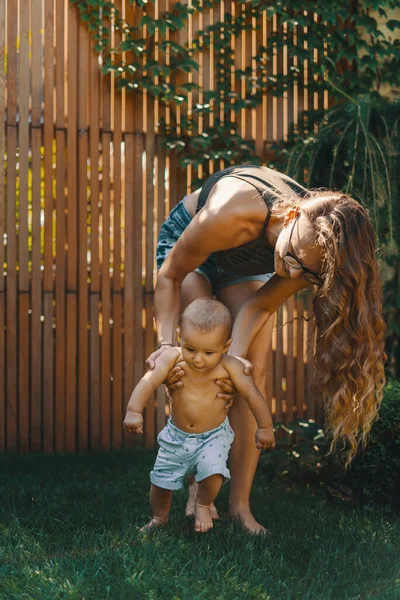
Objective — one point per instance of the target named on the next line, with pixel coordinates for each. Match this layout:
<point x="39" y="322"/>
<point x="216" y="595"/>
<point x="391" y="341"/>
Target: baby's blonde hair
<point x="206" y="314"/>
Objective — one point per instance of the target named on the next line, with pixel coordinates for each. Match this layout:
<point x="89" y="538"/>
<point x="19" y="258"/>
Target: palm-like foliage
<point x="355" y="147"/>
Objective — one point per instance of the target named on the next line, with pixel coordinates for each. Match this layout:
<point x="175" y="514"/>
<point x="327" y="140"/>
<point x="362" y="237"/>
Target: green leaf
<point x="393" y="24"/>
<point x="190" y="86"/>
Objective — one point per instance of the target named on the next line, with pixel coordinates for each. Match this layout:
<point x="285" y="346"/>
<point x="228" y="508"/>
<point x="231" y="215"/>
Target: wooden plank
<point x="258" y="122"/>
<point x="61" y="238"/>
<point x="95" y="372"/>
<point x="117" y="360"/>
<point x="48" y="374"/>
<point x="72" y="234"/>
<point x="149" y="338"/>
<point x="36" y="291"/>
<point x="311" y="405"/>
<point x="247" y="54"/>
<point x="105" y="297"/>
<point x="273" y="379"/>
<point x="23" y="296"/>
<point x="279" y="366"/>
<point x="2" y="143"/>
<point x="290" y="366"/>
<point x="2" y="228"/>
<point x="134" y="209"/>
<point x="242" y="46"/>
<point x="161" y="213"/>
<point x="129" y="279"/>
<point x="36" y="277"/>
<point x="138" y="362"/>
<point x="133" y="296"/>
<point x="106" y="139"/>
<point x="83" y="300"/>
<point x="11" y="252"/>
<point x="117" y="378"/>
<point x="48" y="338"/>
<point x="126" y="259"/>
<point x="305" y="95"/>
<point x="2" y="372"/>
<point x="200" y="82"/>
<point x="287" y="99"/>
<point x="94" y="358"/>
<point x="23" y="373"/>
<point x="269" y="391"/>
<point x="264" y="111"/>
<point x="299" y="346"/>
<point x="278" y="68"/>
<point x="271" y="101"/>
<point x="11" y="292"/>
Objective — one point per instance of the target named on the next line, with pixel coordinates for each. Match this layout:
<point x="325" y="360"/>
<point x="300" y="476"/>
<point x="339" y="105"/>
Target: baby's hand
<point x="133" y="422"/>
<point x="265" y="439"/>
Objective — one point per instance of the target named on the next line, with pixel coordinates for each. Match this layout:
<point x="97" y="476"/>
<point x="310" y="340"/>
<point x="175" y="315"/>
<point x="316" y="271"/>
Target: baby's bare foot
<point x="155" y="522"/>
<point x="203" y="520"/>
<point x="214" y="512"/>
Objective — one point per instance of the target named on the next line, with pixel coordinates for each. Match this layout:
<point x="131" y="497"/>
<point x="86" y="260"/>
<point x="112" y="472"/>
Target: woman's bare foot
<point x="191" y="503"/>
<point x="155" y="522"/>
<point x="203" y="520"/>
<point x="248" y="521"/>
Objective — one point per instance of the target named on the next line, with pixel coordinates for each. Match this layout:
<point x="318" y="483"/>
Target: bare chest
<point x="198" y="387"/>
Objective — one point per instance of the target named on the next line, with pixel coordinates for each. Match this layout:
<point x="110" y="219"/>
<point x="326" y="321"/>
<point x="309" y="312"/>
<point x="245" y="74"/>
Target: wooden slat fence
<point x="87" y="183"/>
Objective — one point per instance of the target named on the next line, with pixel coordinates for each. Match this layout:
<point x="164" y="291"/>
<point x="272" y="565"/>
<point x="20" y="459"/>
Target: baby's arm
<point x="147" y="385"/>
<point x="247" y="389"/>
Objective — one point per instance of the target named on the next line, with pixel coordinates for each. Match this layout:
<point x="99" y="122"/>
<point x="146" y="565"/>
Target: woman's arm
<point x="255" y="313"/>
<point x="221" y="224"/>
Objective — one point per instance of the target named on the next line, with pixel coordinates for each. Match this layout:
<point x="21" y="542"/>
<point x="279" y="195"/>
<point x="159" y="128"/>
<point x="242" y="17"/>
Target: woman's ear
<point x="228" y="343"/>
<point x="291" y="214"/>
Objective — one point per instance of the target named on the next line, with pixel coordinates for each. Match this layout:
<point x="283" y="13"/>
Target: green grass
<point x="69" y="529"/>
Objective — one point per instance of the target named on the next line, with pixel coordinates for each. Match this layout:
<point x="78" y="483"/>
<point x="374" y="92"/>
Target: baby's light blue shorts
<point x="181" y="453"/>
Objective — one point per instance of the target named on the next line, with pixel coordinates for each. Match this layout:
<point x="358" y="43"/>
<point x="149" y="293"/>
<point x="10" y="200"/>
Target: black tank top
<point x="254" y="258"/>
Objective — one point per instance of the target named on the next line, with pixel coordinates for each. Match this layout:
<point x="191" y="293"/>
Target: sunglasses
<point x="292" y="261"/>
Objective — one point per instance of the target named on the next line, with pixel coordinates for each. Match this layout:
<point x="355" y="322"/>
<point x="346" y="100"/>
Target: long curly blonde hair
<point x="349" y="327"/>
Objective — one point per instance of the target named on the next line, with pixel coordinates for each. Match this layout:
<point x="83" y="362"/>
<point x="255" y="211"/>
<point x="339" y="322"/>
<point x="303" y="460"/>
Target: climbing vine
<point x="337" y="43"/>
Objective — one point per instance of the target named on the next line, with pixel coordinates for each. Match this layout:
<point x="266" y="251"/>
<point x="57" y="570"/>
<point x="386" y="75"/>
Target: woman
<point x="254" y="237"/>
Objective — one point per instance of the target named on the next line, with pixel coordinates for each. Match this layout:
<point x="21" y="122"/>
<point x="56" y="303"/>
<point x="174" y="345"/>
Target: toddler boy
<point x="198" y="435"/>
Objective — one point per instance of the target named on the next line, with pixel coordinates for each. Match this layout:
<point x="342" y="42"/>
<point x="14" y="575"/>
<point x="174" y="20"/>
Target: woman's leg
<point x="244" y="454"/>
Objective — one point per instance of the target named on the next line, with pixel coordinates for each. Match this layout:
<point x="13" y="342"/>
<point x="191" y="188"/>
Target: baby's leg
<point x="191" y="503"/>
<point x="207" y="492"/>
<point x="160" y="500"/>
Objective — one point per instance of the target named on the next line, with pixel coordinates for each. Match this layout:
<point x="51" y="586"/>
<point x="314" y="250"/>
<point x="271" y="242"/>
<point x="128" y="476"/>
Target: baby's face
<point x="202" y="351"/>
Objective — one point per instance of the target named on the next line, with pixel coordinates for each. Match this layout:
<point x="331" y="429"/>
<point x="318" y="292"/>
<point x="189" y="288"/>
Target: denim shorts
<point x="171" y="230"/>
<point x="181" y="454"/>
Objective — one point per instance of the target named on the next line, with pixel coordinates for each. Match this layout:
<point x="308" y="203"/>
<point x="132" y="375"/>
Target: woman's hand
<point x="151" y="361"/>
<point x="227" y="391"/>
<point x="173" y="381"/>
<point x="227" y="388"/>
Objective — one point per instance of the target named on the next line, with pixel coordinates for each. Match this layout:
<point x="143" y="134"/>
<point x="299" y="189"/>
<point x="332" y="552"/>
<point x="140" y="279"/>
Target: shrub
<point x="373" y="477"/>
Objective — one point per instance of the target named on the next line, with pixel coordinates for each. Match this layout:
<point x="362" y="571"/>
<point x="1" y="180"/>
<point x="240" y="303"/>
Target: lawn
<point x="69" y="529"/>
